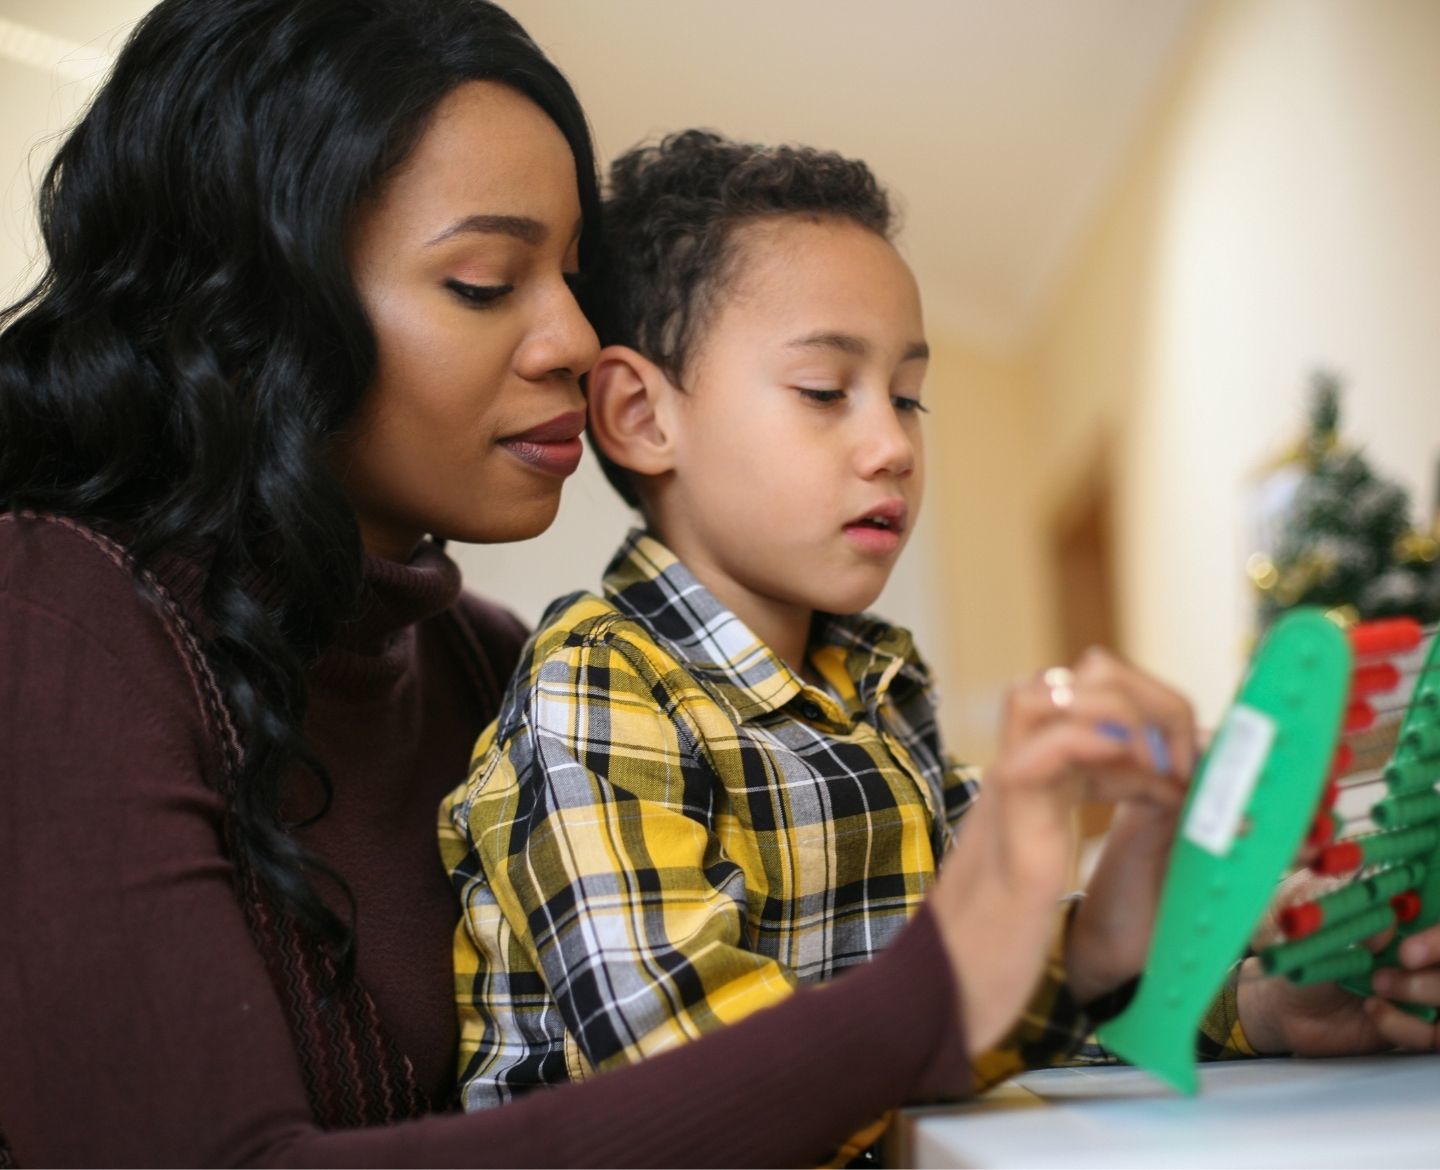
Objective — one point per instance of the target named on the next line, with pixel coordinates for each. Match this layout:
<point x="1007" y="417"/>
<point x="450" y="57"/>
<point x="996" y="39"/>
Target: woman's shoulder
<point x="68" y="596"/>
<point x="58" y="568"/>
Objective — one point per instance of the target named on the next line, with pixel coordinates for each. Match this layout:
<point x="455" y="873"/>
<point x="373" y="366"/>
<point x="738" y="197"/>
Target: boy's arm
<point x="962" y="788"/>
<point x="598" y="847"/>
<point x="1221" y="1036"/>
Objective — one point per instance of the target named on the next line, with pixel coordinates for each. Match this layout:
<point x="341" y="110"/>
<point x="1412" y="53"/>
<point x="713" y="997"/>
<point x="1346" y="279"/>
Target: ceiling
<point x="999" y="125"/>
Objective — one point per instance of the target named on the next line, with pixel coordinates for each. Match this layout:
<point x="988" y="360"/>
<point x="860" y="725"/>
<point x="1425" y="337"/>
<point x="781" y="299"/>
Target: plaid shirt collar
<point x="647" y="582"/>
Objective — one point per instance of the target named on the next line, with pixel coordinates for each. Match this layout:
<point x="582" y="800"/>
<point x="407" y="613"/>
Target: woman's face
<point x="462" y="261"/>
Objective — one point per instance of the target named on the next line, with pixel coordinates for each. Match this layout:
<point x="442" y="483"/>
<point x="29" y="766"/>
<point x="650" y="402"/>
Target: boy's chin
<point x="846" y="603"/>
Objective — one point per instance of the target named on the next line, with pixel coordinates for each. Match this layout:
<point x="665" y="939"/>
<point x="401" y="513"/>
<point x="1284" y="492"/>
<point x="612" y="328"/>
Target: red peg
<point x="1359" y="715"/>
<point x="1341" y="857"/>
<point x="1389" y="636"/>
<point x="1300" y="920"/>
<point x="1406" y="906"/>
<point x="1375" y="679"/>
<point x="1322" y="832"/>
<point x="1327" y="802"/>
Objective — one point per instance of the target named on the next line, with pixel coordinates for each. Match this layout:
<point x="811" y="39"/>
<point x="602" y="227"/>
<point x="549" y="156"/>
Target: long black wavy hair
<point x="197" y="340"/>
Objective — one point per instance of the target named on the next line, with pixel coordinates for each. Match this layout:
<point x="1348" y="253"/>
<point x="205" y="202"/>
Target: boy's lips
<point x="553" y="446"/>
<point x="878" y="530"/>
<point x="887" y="514"/>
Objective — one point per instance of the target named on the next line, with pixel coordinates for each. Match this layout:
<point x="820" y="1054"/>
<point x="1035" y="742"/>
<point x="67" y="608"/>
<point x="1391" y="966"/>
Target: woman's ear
<point x="628" y="397"/>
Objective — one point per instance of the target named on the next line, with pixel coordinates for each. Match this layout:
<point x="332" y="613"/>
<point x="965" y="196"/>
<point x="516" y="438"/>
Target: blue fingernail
<point x="1159" y="750"/>
<point x="1113" y="730"/>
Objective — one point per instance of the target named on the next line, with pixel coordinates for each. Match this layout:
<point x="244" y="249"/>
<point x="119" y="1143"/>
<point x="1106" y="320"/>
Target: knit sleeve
<point x="140" y="1024"/>
<point x="801" y="1076"/>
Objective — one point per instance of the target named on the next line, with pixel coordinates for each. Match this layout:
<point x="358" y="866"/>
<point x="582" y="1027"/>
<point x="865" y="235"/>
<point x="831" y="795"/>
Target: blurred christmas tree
<point x="1345" y="541"/>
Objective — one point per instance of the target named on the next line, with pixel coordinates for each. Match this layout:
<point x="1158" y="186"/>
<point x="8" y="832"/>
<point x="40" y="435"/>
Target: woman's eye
<point x="821" y="396"/>
<point x="907" y="405"/>
<point x="481" y="296"/>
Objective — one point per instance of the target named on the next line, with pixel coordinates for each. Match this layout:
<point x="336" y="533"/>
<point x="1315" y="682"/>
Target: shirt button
<point x="810" y="710"/>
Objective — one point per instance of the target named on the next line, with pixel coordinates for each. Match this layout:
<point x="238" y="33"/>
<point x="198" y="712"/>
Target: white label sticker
<point x="1233" y="767"/>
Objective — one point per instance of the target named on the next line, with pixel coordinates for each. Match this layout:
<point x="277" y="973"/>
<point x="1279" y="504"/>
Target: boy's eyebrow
<point x="853" y="346"/>
<point x="522" y="227"/>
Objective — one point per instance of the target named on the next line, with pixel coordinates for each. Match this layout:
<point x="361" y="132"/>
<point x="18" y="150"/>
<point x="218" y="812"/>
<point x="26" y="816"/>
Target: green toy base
<point x="1248" y="809"/>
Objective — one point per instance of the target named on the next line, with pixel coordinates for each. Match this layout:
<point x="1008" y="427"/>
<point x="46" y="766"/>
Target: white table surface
<point x="1356" y="1111"/>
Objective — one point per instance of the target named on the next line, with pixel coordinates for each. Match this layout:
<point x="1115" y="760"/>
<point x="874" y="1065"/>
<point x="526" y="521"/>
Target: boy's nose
<point x="885" y="446"/>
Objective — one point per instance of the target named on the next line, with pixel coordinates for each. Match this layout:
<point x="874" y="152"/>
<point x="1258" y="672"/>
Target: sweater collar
<point x="396" y="596"/>
<point x="374" y="647"/>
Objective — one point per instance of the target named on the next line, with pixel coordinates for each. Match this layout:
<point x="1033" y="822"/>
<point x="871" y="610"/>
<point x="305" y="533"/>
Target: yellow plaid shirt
<point x="667" y="829"/>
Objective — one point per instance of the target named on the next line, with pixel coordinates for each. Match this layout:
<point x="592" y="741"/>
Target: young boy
<point x="721" y="779"/>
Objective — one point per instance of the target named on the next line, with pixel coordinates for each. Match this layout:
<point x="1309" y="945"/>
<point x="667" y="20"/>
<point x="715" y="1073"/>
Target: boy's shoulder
<point x="584" y="632"/>
<point x="584" y="620"/>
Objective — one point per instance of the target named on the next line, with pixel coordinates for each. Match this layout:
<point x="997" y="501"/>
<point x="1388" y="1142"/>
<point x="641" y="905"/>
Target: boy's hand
<point x="1068" y="736"/>
<point x="1327" y="1020"/>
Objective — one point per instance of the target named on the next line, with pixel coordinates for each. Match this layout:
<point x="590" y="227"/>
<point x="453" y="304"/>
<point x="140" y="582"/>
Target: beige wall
<point x="39" y="102"/>
<point x="1281" y="215"/>
<point x="983" y="498"/>
<point x="52" y="52"/>
<point x="1274" y="218"/>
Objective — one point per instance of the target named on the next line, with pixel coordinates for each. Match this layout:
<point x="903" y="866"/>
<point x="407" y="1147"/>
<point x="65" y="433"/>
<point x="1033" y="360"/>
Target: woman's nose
<point x="563" y="344"/>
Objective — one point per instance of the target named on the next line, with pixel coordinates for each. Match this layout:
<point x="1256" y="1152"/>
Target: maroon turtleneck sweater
<point x="138" y="1024"/>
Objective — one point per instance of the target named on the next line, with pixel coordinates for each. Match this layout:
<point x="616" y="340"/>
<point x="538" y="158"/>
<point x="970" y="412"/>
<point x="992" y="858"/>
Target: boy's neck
<point x="784" y="627"/>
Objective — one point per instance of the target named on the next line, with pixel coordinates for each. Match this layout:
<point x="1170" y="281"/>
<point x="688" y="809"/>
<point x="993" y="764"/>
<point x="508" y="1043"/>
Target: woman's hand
<point x="1110" y="935"/>
<point x="1068" y="736"/>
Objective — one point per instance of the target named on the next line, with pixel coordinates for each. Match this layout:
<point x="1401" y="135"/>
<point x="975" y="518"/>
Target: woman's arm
<point x="781" y="1088"/>
<point x="141" y="1026"/>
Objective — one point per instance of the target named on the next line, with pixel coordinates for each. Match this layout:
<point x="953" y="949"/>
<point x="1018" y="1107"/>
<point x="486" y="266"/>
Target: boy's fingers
<point x="1409" y="986"/>
<point x="1378" y="941"/>
<point x="1421" y="948"/>
<point x="1401" y="1029"/>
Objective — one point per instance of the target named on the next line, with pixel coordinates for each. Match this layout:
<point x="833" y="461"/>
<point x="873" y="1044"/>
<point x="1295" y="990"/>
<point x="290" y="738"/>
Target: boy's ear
<point x="628" y="397"/>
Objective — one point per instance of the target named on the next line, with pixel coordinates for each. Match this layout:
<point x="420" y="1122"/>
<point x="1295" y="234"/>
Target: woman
<point x="309" y="300"/>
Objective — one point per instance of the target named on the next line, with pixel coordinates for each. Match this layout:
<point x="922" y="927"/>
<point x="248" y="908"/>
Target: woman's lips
<point x="553" y="447"/>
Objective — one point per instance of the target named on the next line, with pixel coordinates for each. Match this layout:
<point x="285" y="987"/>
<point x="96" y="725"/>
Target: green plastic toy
<point x="1250" y="803"/>
<point x="1397" y="867"/>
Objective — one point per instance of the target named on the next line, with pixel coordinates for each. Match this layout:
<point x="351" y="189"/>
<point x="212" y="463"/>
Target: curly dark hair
<point x="669" y="217"/>
<point x="196" y="340"/>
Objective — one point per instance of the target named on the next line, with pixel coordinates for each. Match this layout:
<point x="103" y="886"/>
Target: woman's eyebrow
<point x="521" y="227"/>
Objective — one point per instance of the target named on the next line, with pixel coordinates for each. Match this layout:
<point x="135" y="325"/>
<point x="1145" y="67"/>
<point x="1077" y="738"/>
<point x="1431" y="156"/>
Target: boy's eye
<point x="906" y="405"/>
<point x="821" y="396"/>
<point x="481" y="296"/>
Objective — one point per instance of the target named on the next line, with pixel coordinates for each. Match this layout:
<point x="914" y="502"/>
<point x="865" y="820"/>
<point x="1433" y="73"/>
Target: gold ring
<point x="1061" y="681"/>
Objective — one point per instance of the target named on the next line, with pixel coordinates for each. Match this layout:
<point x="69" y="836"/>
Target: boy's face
<point x="798" y="465"/>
